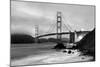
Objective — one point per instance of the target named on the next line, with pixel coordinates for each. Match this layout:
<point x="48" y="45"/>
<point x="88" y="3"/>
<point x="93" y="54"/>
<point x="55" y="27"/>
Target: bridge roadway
<point x="50" y="34"/>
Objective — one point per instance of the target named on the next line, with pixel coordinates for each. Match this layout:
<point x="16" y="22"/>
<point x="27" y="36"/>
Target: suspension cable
<point x="67" y="23"/>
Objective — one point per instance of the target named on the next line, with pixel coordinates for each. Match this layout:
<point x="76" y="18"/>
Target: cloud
<point x="25" y="15"/>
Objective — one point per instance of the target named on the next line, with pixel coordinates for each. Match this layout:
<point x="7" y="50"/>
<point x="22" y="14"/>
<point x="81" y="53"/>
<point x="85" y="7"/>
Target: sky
<point x="25" y="15"/>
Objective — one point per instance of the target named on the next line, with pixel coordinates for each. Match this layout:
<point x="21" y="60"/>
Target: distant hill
<point x="24" y="38"/>
<point x="21" y="38"/>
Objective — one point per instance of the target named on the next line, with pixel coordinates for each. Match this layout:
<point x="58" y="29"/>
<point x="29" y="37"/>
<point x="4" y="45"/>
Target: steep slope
<point x="87" y="44"/>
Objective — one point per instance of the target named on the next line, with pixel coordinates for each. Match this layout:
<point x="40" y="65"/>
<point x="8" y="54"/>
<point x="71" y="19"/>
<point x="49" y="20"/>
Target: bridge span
<point x="59" y="31"/>
<point x="77" y="32"/>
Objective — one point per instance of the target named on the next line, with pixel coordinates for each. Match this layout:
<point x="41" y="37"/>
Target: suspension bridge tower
<point x="59" y="26"/>
<point x="36" y="33"/>
<point x="59" y="45"/>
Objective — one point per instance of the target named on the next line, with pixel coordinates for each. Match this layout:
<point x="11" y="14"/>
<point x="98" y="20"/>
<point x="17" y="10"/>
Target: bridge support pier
<point x="72" y="37"/>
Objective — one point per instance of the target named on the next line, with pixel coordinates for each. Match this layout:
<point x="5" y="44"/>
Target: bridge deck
<point x="50" y="34"/>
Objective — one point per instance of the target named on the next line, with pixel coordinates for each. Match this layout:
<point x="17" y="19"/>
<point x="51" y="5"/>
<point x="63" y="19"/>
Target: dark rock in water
<point x="83" y="58"/>
<point x="64" y="51"/>
<point x="87" y="44"/>
<point x="69" y="52"/>
<point x="72" y="52"/>
<point x="60" y="46"/>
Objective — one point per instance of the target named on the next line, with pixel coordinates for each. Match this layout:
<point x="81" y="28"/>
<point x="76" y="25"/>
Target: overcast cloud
<point x="24" y="15"/>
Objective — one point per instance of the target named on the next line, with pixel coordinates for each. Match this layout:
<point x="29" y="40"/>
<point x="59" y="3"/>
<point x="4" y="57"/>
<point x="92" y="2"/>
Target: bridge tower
<point x="59" y="45"/>
<point x="36" y="33"/>
<point x="59" y="26"/>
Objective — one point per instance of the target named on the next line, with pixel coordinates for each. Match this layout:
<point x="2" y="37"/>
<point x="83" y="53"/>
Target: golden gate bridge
<point x="60" y="25"/>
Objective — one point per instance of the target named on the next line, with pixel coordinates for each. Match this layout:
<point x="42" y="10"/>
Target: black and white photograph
<point x="45" y="33"/>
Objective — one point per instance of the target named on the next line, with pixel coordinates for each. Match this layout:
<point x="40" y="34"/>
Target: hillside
<point x="21" y="38"/>
<point x="87" y="44"/>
